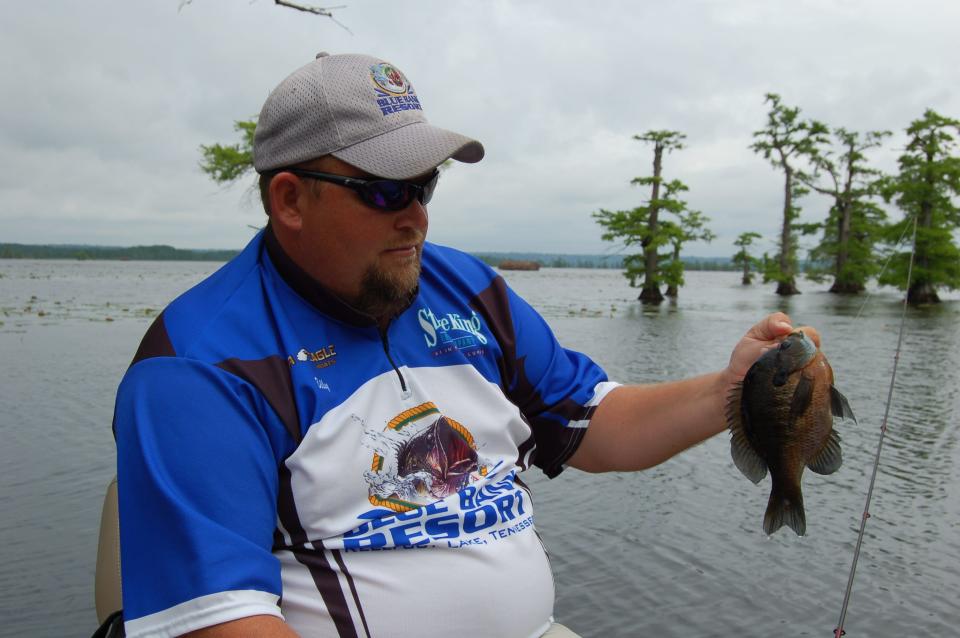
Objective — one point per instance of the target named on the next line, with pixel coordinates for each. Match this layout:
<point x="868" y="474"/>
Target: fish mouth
<point x="798" y="347"/>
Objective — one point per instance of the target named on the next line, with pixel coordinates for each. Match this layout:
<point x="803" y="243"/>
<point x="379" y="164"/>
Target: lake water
<point x="677" y="551"/>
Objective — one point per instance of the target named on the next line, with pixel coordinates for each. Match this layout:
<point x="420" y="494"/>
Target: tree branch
<point x="326" y="12"/>
<point x="320" y="11"/>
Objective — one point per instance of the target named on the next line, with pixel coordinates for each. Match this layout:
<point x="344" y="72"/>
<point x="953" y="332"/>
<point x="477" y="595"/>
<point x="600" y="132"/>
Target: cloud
<point x="107" y="103"/>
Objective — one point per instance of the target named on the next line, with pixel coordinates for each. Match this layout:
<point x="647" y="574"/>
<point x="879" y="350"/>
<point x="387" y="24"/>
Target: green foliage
<point x="853" y="225"/>
<point x="926" y="187"/>
<point x="743" y="258"/>
<point x="690" y="226"/>
<point x="226" y="164"/>
<point x="744" y="241"/>
<point x="632" y="228"/>
<point x="769" y="268"/>
<point x="644" y="228"/>
<point x="786" y="136"/>
<point x="672" y="272"/>
<point x="785" y="139"/>
<point x="667" y="140"/>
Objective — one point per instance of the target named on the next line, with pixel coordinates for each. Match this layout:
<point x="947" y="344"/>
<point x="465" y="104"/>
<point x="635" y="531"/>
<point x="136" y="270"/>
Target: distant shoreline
<point x="169" y="253"/>
<point x="111" y="253"/>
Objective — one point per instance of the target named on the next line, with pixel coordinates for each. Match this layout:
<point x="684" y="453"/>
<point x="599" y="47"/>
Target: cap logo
<point x="394" y="93"/>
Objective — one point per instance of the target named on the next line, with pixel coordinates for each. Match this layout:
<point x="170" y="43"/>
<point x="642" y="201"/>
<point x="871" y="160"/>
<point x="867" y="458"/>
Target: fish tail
<point x="785" y="508"/>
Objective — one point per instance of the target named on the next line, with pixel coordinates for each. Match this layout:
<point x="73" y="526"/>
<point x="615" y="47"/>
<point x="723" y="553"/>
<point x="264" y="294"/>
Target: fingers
<point x="777" y="325"/>
<point x="771" y="327"/>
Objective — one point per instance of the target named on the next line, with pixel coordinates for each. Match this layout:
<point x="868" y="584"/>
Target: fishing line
<point x="838" y="632"/>
<point x="884" y="268"/>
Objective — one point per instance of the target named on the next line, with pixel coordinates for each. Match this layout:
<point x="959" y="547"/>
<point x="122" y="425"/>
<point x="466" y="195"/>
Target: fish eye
<point x="785" y="345"/>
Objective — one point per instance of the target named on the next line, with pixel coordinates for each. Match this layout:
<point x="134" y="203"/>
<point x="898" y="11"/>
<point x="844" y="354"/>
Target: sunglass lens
<point x="427" y="193"/>
<point x="388" y="194"/>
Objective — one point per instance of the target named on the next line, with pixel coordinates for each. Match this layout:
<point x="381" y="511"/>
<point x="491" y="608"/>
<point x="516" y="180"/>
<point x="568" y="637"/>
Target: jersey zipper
<point x="386" y="349"/>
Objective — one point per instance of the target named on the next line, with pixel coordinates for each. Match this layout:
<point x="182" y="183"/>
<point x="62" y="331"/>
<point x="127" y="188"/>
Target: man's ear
<point x="286" y="198"/>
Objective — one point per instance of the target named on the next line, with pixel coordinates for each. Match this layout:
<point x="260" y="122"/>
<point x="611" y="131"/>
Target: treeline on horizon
<point x="607" y="262"/>
<point x="163" y="252"/>
<point x="112" y="253"/>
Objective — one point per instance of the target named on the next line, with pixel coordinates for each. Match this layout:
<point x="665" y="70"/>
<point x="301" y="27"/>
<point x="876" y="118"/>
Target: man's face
<point x="367" y="257"/>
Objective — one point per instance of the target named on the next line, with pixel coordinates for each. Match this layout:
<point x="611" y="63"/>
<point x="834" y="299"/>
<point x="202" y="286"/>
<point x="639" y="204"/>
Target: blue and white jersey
<point x="279" y="454"/>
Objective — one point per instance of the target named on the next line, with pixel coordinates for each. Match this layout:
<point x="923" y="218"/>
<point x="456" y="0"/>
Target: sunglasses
<point x="381" y="194"/>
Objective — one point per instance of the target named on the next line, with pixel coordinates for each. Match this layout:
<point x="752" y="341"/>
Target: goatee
<point x="384" y="295"/>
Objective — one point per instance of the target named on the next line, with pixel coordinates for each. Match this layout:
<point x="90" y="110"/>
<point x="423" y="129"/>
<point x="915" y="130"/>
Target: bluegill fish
<point x="781" y="420"/>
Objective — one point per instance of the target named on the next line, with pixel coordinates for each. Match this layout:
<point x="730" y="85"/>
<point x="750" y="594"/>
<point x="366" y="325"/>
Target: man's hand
<point x="766" y="334"/>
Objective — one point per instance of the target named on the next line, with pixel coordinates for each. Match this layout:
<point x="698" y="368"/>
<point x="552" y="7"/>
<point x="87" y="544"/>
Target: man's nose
<point x="413" y="216"/>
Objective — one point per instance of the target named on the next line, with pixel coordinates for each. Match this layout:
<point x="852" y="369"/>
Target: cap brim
<point x="410" y="151"/>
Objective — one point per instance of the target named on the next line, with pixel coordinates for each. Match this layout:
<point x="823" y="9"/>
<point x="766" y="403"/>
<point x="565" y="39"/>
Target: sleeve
<point x="555" y="388"/>
<point x="198" y="481"/>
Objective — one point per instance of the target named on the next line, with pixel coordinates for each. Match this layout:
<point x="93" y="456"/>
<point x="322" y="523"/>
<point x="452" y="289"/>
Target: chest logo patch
<point x="419" y="457"/>
<point x="322" y="358"/>
<point x="452" y="332"/>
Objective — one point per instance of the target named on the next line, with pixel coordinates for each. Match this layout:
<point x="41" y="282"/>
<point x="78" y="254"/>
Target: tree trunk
<point x="672" y="288"/>
<point x="787" y="288"/>
<point x="922" y="292"/>
<point x="747" y="278"/>
<point x="650" y="294"/>
<point x="651" y="290"/>
<point x="841" y="282"/>
<point x="847" y="287"/>
<point x="787" y="284"/>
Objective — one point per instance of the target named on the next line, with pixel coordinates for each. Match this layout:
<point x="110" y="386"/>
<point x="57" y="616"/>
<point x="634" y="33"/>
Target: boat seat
<point x="107" y="595"/>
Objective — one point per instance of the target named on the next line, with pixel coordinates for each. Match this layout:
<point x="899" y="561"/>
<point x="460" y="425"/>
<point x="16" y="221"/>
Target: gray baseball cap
<point x="359" y="109"/>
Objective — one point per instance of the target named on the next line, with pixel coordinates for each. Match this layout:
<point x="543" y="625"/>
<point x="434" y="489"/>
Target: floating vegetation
<point x="47" y="294"/>
<point x="584" y="312"/>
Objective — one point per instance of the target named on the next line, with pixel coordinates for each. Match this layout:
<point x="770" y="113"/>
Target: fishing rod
<point x="838" y="632"/>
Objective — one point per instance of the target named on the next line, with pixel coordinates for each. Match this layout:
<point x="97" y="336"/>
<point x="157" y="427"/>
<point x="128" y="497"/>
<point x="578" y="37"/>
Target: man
<point x="324" y="437"/>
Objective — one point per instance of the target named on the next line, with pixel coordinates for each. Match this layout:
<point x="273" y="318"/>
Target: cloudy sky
<point x="107" y="101"/>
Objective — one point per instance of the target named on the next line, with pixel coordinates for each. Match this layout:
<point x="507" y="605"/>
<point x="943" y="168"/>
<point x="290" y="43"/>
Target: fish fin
<point x="839" y="405"/>
<point x="734" y="421"/>
<point x="828" y="459"/>
<point x="802" y="396"/>
<point x="785" y="509"/>
<point x="744" y="456"/>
